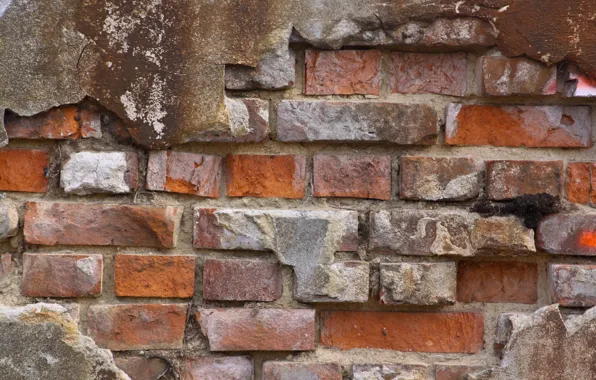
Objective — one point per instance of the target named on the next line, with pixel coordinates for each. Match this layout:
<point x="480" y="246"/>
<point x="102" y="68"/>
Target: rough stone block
<point x="404" y="124"/>
<point x="48" y="223"/>
<point x="306" y="371"/>
<point x="186" y="173"/>
<point x="391" y="371"/>
<point x="24" y="170"/>
<point x="529" y="126"/>
<point x="61" y="275"/>
<point x="56" y="124"/>
<point x="100" y="172"/>
<point x="9" y="221"/>
<point x="418" y="283"/>
<point x="503" y="76"/>
<point x="275" y="71"/>
<point x="434" y="332"/>
<point x="138" y="326"/>
<point x="224" y="368"/>
<point x="511" y="179"/>
<point x="258" y="329"/>
<point x="352" y="176"/>
<point x="439" y="178"/>
<point x="416" y="73"/>
<point x="572" y="285"/>
<point x="568" y="234"/>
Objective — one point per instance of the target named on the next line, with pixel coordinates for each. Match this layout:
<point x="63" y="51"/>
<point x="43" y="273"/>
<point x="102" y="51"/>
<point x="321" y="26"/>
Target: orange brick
<point x="164" y="276"/>
<point x="417" y="332"/>
<point x="265" y="176"/>
<point x="24" y="170"/>
<point x="56" y="124"/>
<point x="579" y="182"/>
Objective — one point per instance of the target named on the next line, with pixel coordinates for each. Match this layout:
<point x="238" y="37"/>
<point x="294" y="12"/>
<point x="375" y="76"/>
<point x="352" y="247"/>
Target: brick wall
<point x="389" y="207"/>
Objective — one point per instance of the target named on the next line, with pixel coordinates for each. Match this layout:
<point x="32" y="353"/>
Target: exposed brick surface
<point x="439" y="178"/>
<point x="6" y="265"/>
<point x="290" y="370"/>
<point x="572" y="285"/>
<point x="138" y="326"/>
<point x="581" y="182"/>
<point x="305" y="121"/>
<point x="415" y="73"/>
<point x="56" y="124"/>
<point x="352" y="176"/>
<point x="503" y="76"/>
<point x="164" y="276"/>
<point x="258" y="329"/>
<point x="497" y="282"/>
<point x="24" y="170"/>
<point x="265" y="176"/>
<point x="186" y="173"/>
<point x="61" y="275"/>
<point x="530" y="126"/>
<point x="390" y="371"/>
<point x="343" y="72"/>
<point x="503" y="234"/>
<point x="510" y="179"/>
<point x="141" y="368"/>
<point x="215" y="368"/>
<point x="241" y="280"/>
<point x="454" y="371"/>
<point x="49" y="223"/>
<point x="434" y="332"/>
<point x="568" y="234"/>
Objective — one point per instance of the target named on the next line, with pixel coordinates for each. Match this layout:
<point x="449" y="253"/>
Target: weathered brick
<point x="9" y="221"/>
<point x="141" y="368"/>
<point x="497" y="282"/>
<point x="503" y="76"/>
<point x="249" y="122"/>
<point x="56" y="124"/>
<point x="215" y="368"/>
<point x="581" y="182"/>
<point x="48" y="223"/>
<point x="61" y="275"/>
<point x="530" y="126"/>
<point x="100" y="172"/>
<point x="342" y="72"/>
<point x="439" y="178"/>
<point x="511" y="179"/>
<point x="503" y="233"/>
<point x="90" y="121"/>
<point x="352" y="176"/>
<point x="258" y="329"/>
<point x="265" y="176"/>
<point x="276" y="70"/>
<point x="415" y="73"/>
<point x="186" y="173"/>
<point x="391" y="371"/>
<point x="572" y="285"/>
<point x="292" y="370"/>
<point x="405" y="124"/>
<point x="418" y="283"/>
<point x="454" y="371"/>
<point x="24" y="170"/>
<point x="568" y="234"/>
<point x="241" y="280"/>
<point x="434" y="332"/>
<point x="6" y="265"/>
<point x="138" y="326"/>
<point x="164" y="276"/>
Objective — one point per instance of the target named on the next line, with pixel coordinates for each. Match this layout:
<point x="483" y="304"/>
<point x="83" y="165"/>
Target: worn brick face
<point x="454" y="371"/>
<point x="241" y="280"/>
<point x="48" y="223"/>
<point x="56" y="124"/>
<point x="572" y="285"/>
<point x="265" y="176"/>
<point x="497" y="282"/>
<point x="503" y="76"/>
<point x="568" y="234"/>
<point x="352" y="176"/>
<point x="343" y="72"/>
<point x="391" y="371"/>
<point x="165" y="276"/>
<point x="138" y="326"/>
<point x="24" y="170"/>
<point x="141" y="368"/>
<point x="415" y="73"/>
<point x="581" y="182"/>
<point x="290" y="370"/>
<point x="224" y="368"/>
<point x="510" y="179"/>
<point x="434" y="332"/>
<point x="61" y="275"/>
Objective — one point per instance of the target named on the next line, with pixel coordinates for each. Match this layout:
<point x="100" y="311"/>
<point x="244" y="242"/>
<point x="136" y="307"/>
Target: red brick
<point x="343" y="72"/>
<point x="48" y="223"/>
<point x="530" y="126"/>
<point x="24" y="170"/>
<point x="6" y="265"/>
<point x="572" y="285"/>
<point x="292" y="370"/>
<point x="352" y="176"/>
<point x="417" y="332"/>
<point x="454" y="371"/>
<point x="511" y="179"/>
<point x="497" y="282"/>
<point x="241" y="280"/>
<point x="218" y="368"/>
<point x="61" y="275"/>
<point x="415" y="73"/>
<point x="186" y="173"/>
<point x="265" y="176"/>
<point x="258" y="329"/>
<point x="581" y="183"/>
<point x="141" y="368"/>
<point x="568" y="234"/>
<point x="503" y="76"/>
<point x="439" y="178"/>
<point x="165" y="276"/>
<point x="138" y="326"/>
<point x="57" y="124"/>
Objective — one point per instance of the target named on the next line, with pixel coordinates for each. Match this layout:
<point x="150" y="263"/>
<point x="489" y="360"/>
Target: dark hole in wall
<point x="530" y="208"/>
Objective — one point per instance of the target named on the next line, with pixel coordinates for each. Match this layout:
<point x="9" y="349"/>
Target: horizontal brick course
<point x="572" y="285"/>
<point x="511" y="179"/>
<point x="24" y="170"/>
<point x="503" y="76"/>
<point x="56" y="124"/>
